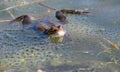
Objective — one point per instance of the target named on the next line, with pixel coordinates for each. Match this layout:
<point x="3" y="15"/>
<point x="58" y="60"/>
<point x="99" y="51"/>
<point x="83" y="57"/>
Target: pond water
<point x="92" y="45"/>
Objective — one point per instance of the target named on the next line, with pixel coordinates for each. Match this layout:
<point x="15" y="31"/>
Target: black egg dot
<point x="49" y="52"/>
<point x="33" y="48"/>
<point x="37" y="49"/>
<point x="31" y="51"/>
<point x="23" y="52"/>
<point x="6" y="56"/>
<point x="47" y="55"/>
<point x="27" y="50"/>
<point x="43" y="49"/>
<point x="10" y="63"/>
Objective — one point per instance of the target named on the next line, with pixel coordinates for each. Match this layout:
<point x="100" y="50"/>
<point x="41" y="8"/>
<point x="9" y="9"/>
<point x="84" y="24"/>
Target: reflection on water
<point x="92" y="43"/>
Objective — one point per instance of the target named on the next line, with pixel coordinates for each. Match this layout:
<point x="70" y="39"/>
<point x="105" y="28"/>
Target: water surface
<point x="86" y="49"/>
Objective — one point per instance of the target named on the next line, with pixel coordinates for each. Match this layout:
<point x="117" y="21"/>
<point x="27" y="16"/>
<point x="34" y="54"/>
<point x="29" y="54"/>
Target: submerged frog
<point x="24" y="19"/>
<point x="59" y="14"/>
<point x="55" y="32"/>
<point x="52" y="30"/>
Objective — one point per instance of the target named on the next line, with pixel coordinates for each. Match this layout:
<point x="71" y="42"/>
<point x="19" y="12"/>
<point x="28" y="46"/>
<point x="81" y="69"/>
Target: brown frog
<point x="25" y="19"/>
<point x="60" y="13"/>
<point x="60" y="16"/>
<point x="53" y="29"/>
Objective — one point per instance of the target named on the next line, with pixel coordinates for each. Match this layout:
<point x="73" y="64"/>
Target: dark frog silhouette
<point x="24" y="19"/>
<point x="59" y="14"/>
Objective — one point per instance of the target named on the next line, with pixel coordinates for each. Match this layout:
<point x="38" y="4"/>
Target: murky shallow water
<point x="89" y="51"/>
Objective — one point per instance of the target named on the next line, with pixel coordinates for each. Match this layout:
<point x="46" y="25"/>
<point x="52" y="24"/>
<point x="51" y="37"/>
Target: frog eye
<point x="58" y="26"/>
<point x="55" y="30"/>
